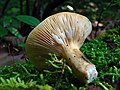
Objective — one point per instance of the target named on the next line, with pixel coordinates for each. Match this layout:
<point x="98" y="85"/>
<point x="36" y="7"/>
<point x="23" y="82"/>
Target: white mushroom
<point x="62" y="34"/>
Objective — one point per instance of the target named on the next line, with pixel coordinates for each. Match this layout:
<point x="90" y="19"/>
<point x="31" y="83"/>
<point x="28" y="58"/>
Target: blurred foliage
<point x="28" y="20"/>
<point x="3" y="32"/>
<point x="96" y="10"/>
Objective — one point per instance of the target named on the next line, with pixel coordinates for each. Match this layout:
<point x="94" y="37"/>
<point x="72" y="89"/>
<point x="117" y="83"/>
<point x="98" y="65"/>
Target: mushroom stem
<point x="83" y="68"/>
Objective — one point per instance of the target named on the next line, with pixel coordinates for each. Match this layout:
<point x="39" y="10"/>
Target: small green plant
<point x="10" y="24"/>
<point x="15" y="83"/>
<point x="28" y="20"/>
<point x="26" y="76"/>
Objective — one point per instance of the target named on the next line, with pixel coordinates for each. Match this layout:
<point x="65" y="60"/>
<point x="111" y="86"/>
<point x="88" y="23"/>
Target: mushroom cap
<point x="55" y="33"/>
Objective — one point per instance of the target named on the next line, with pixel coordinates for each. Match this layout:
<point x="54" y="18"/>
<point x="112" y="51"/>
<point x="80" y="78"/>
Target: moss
<point x="104" y="52"/>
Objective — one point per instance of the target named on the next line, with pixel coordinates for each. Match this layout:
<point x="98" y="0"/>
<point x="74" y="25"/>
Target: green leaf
<point x="15" y="32"/>
<point x="3" y="32"/>
<point x="21" y="45"/>
<point x="28" y="20"/>
<point x="7" y="20"/>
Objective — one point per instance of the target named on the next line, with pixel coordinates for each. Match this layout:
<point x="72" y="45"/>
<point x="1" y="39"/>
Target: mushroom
<point x="63" y="34"/>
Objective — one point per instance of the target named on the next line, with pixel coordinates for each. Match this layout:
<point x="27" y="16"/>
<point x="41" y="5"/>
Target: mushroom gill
<point x="63" y="34"/>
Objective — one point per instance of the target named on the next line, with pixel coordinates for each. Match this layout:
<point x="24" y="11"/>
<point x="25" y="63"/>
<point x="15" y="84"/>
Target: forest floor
<point x="103" y="51"/>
